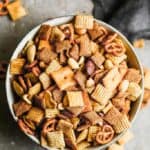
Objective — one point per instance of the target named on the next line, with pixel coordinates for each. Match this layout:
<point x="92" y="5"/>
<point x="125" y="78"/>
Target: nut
<point x="17" y="88"/>
<point x="25" y="97"/>
<point x="31" y="51"/>
<point x="73" y="64"/>
<point x="108" y="64"/>
<point x="90" y="83"/>
<point x="81" y="60"/>
<point x="123" y="86"/>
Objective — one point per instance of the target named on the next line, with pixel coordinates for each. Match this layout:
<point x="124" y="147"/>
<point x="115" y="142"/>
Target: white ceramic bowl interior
<point x="132" y="57"/>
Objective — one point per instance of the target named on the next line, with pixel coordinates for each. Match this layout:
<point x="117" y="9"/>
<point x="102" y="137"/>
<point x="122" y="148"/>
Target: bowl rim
<point x="57" y="21"/>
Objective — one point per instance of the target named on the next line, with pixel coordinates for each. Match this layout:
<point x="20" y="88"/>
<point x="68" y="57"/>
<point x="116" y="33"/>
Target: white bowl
<point x="132" y="57"/>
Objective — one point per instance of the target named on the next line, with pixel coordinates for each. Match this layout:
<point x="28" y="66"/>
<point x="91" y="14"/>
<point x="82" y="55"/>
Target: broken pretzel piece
<point x="24" y="127"/>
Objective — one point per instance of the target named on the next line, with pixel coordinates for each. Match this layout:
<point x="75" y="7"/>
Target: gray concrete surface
<point x="11" y="33"/>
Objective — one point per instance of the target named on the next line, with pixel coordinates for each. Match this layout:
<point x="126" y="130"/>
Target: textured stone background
<point x="11" y="33"/>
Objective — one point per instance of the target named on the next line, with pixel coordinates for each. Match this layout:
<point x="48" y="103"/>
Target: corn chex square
<point x="101" y="94"/>
<point x="56" y="139"/>
<point x="84" y="22"/>
<point x="75" y="99"/>
<point x="16" y="66"/>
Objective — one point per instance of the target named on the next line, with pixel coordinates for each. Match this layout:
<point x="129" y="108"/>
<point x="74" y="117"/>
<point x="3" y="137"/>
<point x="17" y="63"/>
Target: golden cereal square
<point x="63" y="78"/>
<point x="35" y="114"/>
<point x="16" y="10"/>
<point x="56" y="139"/>
<point x="75" y="99"/>
<point x="16" y="66"/>
<point x="122" y="124"/>
<point x="84" y="22"/>
<point x="101" y="94"/>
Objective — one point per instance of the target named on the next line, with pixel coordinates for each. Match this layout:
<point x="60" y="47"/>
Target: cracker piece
<point x="63" y="78"/>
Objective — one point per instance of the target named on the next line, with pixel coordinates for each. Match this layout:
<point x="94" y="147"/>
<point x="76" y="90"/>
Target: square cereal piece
<point x="84" y="21"/>
<point x="101" y="94"/>
<point x="121" y="124"/>
<point x="112" y="79"/>
<point x="16" y="10"/>
<point x="51" y="112"/>
<point x="35" y="114"/>
<point x="44" y="33"/>
<point x="133" y="75"/>
<point x="56" y="139"/>
<point x="112" y="116"/>
<point x="84" y="44"/>
<point x="16" y="66"/>
<point x="75" y="99"/>
<point x="63" y="78"/>
<point x="92" y="133"/>
<point x="98" y="59"/>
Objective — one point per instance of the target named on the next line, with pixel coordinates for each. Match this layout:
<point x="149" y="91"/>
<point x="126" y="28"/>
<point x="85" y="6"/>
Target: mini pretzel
<point x="30" y="66"/>
<point x="48" y="126"/>
<point x="105" y="135"/>
<point x="3" y="5"/>
<point x="3" y="68"/>
<point x="36" y="71"/>
<point x="24" y="127"/>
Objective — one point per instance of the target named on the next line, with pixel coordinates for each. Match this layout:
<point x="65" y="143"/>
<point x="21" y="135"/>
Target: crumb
<point x="16" y="10"/>
<point x="139" y="43"/>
